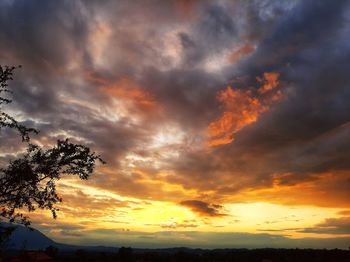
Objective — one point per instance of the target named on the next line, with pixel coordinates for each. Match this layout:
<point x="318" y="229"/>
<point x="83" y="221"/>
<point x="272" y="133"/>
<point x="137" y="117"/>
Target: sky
<point x="223" y="123"/>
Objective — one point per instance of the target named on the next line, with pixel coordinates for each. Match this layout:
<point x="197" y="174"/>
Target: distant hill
<point x="31" y="239"/>
<point x="26" y="238"/>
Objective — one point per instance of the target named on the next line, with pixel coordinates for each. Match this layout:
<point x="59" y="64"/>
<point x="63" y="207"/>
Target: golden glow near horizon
<point x="139" y="215"/>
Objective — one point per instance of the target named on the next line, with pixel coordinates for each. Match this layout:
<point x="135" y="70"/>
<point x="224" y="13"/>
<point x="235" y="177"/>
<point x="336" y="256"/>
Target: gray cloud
<point x="331" y="226"/>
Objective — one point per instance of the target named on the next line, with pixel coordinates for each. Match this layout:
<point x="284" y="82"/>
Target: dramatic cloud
<point x="203" y="208"/>
<point x="331" y="226"/>
<point x="240" y="52"/>
<point x="243" y="108"/>
<point x="230" y="102"/>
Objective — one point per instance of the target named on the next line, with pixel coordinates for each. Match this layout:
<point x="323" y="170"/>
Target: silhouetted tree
<point x="29" y="181"/>
<point x="6" y="74"/>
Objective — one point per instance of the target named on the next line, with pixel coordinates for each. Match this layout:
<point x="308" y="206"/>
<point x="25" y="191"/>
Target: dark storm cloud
<point x="214" y="32"/>
<point x="308" y="25"/>
<point x="43" y="37"/>
<point x="36" y="32"/>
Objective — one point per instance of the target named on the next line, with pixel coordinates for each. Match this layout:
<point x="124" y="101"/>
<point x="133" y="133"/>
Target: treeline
<point x="194" y="255"/>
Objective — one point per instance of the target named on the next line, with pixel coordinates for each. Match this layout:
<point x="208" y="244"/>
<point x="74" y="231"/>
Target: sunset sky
<point x="223" y="123"/>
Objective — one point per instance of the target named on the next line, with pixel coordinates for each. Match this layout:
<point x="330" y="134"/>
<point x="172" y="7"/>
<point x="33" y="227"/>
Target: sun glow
<point x="150" y="215"/>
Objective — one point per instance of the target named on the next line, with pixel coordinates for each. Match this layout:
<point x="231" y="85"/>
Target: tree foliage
<point x="29" y="182"/>
<point x="6" y="74"/>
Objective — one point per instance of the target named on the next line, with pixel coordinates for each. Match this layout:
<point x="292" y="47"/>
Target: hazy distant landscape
<point x="25" y="242"/>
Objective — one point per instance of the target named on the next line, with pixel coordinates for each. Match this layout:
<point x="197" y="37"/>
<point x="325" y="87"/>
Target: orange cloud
<point x="269" y="82"/>
<point x="324" y="190"/>
<point x="125" y="89"/>
<point x="242" y="107"/>
<point x="242" y="51"/>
